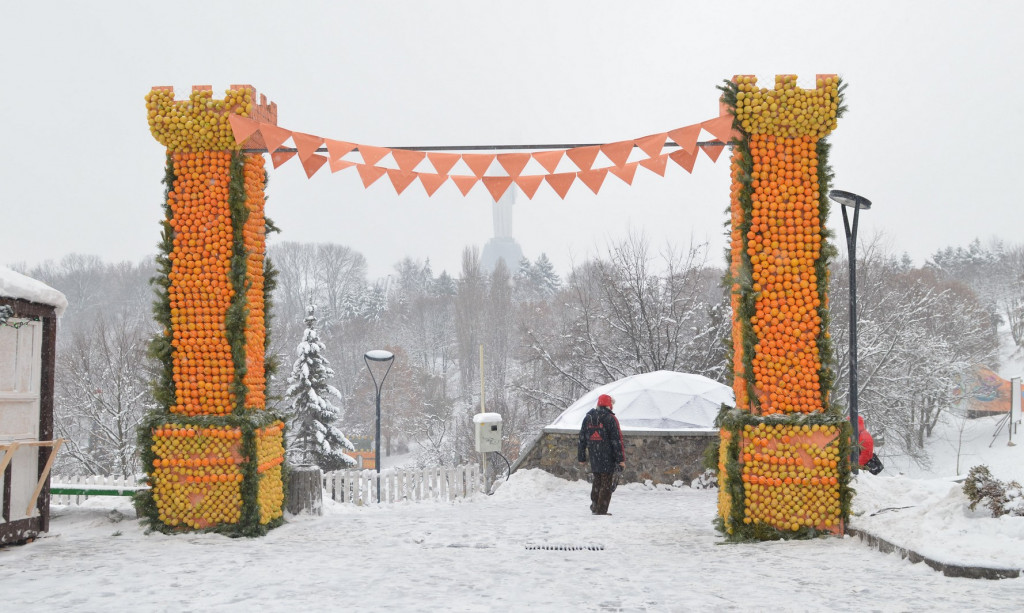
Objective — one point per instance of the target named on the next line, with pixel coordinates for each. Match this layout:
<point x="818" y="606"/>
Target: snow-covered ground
<point x="660" y="553"/>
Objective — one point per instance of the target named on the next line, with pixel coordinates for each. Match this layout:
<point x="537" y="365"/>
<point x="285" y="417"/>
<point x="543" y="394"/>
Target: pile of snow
<point x="661" y="400"/>
<point x="18" y="286"/>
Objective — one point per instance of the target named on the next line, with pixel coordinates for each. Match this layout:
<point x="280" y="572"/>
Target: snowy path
<point x="661" y="554"/>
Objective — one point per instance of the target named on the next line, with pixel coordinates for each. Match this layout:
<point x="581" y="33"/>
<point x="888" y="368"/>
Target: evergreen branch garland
<point x="235" y="319"/>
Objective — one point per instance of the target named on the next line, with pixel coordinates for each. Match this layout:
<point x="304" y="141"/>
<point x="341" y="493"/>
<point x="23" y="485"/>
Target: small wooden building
<point x="28" y="334"/>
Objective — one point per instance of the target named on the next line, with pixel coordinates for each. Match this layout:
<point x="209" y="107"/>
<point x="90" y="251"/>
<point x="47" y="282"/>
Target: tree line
<point x="546" y="339"/>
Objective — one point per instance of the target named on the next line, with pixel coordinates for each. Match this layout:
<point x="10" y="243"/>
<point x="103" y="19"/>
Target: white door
<point x="20" y="372"/>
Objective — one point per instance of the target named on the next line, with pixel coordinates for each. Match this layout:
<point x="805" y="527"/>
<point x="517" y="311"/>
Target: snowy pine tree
<point x="313" y="438"/>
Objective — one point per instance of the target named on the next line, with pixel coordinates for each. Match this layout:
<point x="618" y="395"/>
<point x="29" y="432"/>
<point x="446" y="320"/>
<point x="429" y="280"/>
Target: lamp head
<point x="849" y="199"/>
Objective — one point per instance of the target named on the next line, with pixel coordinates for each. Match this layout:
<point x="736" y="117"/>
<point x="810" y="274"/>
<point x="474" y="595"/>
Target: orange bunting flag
<point x="340" y="164"/>
<point x="626" y="173"/>
<point x="307" y="144"/>
<point x="369" y="174"/>
<point x="513" y="163"/>
<point x="431" y="182"/>
<point x="593" y="178"/>
<point x="713" y="151"/>
<point x="280" y="157"/>
<point x="478" y="162"/>
<point x="338" y="149"/>
<point x="312" y="164"/>
<point x="561" y="182"/>
<point x="242" y="127"/>
<point x="549" y="159"/>
<point x="656" y="165"/>
<point x="401" y="179"/>
<point x="529" y="184"/>
<point x="497" y="186"/>
<point x="618" y="152"/>
<point x="443" y="162"/>
<point x="406" y="159"/>
<point x="273" y="136"/>
<point x="684" y="158"/>
<point x="464" y="183"/>
<point x="720" y="128"/>
<point x="653" y="144"/>
<point x="583" y="157"/>
<point x="372" y="155"/>
<point x="686" y="138"/>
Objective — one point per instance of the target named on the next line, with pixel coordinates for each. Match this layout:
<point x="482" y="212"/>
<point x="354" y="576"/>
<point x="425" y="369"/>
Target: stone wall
<point x="662" y="456"/>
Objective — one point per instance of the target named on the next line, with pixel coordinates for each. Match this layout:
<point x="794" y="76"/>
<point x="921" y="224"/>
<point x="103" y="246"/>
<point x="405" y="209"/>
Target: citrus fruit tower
<point x="213" y="453"/>
<point x="784" y="460"/>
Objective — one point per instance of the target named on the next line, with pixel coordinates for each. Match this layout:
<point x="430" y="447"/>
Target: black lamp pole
<point x="847" y="199"/>
<point x="380" y="357"/>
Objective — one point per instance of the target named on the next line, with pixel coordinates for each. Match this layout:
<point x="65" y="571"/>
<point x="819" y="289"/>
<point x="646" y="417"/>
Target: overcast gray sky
<point x="932" y="136"/>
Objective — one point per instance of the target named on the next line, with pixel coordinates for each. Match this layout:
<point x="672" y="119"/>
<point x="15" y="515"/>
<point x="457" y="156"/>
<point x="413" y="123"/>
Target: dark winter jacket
<point x="601" y="435"/>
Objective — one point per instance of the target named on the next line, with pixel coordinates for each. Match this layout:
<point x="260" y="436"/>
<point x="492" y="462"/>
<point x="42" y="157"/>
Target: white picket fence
<point x="398" y="484"/>
<point x="101" y="485"/>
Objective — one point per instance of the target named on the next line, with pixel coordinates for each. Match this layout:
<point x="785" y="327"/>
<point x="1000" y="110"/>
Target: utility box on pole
<point x="488" y="432"/>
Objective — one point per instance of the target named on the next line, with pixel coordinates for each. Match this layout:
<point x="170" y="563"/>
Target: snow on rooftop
<point x="661" y="400"/>
<point x="18" y="286"/>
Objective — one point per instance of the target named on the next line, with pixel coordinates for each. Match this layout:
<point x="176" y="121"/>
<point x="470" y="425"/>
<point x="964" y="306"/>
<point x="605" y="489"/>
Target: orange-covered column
<point x="782" y="468"/>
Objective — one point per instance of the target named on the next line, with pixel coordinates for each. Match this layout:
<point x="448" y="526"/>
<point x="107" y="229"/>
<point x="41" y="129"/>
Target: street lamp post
<point x="847" y="199"/>
<point x="378" y="358"/>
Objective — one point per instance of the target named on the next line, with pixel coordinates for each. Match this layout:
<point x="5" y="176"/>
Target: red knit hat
<point x="604" y="400"/>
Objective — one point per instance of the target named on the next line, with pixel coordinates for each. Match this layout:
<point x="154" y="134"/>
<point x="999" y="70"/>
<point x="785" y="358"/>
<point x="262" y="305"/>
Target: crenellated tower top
<point x="200" y="123"/>
<point x="787" y="111"/>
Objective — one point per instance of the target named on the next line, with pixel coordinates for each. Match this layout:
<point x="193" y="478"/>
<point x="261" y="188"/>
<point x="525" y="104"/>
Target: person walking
<point x="601" y="436"/>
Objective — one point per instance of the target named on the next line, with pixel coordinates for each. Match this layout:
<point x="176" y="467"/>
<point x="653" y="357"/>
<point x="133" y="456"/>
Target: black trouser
<point x="601" y="493"/>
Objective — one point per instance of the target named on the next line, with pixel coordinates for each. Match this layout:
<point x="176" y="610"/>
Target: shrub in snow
<point x="1001" y="498"/>
<point x="708" y="480"/>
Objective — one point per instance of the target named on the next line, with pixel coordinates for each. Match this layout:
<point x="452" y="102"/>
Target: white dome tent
<point x="661" y="400"/>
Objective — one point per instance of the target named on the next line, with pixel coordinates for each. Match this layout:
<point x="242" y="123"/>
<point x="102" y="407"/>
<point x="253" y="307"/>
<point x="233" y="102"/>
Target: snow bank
<point x="18" y="286"/>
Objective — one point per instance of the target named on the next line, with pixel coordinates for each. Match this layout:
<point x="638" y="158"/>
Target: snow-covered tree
<point x="313" y="438"/>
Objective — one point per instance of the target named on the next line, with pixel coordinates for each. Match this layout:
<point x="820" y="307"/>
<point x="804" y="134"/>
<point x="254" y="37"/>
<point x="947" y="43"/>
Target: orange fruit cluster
<point x="196" y="475"/>
<point x="787" y="111"/>
<point x="199" y="123"/>
<point x="200" y="290"/>
<point x="724" y="497"/>
<point x="269" y="457"/>
<point x="784" y="244"/>
<point x="254" y="234"/>
<point x="791" y="476"/>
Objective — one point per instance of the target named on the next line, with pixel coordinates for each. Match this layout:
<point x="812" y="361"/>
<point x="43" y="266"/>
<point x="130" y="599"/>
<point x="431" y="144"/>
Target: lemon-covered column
<point x="213" y="453"/>
<point x="783" y="459"/>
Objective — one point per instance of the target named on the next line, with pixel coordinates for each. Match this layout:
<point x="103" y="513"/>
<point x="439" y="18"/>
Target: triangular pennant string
<point x="280" y="157"/>
<point x="529" y="184"/>
<point x="369" y="174"/>
<point x="273" y="136"/>
<point x="561" y="182"/>
<point x="618" y="152"/>
<point x="720" y="128"/>
<point x="626" y="173"/>
<point x="340" y="164"/>
<point x="684" y="158"/>
<point x="407" y="160"/>
<point x="656" y="165"/>
<point x="594" y="178"/>
<point x="497" y="186"/>
<point x="306" y="144"/>
<point x="686" y="137"/>
<point x="478" y="162"/>
<point x="337" y="149"/>
<point x="312" y="164"/>
<point x="713" y="151"/>
<point x="464" y="183"/>
<point x="372" y="155"/>
<point x="400" y="179"/>
<point x="242" y="127"/>
<point x="431" y="182"/>
<point x="653" y="144"/>
<point x="513" y="163"/>
<point x="443" y="162"/>
<point x="583" y="157"/>
<point x="549" y="159"/>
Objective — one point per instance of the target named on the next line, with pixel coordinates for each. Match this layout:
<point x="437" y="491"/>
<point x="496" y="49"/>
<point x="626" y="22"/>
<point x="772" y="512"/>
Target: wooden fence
<point x="75" y="490"/>
<point x="398" y="484"/>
